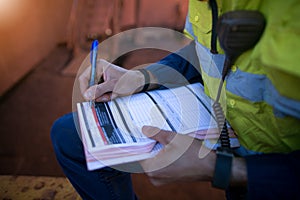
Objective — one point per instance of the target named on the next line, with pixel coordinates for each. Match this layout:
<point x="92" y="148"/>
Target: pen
<point x="94" y="51"/>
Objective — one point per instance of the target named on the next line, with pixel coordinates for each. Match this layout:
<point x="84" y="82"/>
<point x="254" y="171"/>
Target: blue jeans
<point x="106" y="183"/>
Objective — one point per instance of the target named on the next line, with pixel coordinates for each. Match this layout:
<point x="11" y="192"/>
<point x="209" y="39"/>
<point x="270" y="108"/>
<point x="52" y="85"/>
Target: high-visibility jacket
<point x="262" y="90"/>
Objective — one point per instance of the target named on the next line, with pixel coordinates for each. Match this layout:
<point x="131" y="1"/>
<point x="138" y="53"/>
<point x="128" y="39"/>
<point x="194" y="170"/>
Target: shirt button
<point x="232" y="102"/>
<point x="196" y="18"/>
<point x="234" y="68"/>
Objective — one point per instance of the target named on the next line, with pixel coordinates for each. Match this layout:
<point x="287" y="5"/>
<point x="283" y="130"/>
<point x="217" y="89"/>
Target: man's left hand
<point x="183" y="158"/>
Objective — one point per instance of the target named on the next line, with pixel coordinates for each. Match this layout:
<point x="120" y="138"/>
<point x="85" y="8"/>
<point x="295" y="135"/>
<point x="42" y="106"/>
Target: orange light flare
<point x="10" y="11"/>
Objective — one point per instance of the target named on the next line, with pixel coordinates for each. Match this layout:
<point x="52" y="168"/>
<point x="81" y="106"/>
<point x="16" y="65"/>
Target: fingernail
<point x="150" y="130"/>
<point x="104" y="99"/>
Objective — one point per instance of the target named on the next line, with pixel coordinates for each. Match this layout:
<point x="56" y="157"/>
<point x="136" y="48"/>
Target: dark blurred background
<point x="42" y="45"/>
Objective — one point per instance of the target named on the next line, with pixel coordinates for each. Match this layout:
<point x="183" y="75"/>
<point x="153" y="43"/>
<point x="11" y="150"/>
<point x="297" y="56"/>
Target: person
<point x="262" y="101"/>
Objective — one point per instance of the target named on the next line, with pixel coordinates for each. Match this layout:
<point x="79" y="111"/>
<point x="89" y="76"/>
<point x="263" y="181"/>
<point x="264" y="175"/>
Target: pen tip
<point x="95" y="44"/>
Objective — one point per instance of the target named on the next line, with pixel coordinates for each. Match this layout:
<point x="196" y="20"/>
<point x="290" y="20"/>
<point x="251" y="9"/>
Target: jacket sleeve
<point x="178" y="68"/>
<point x="274" y="176"/>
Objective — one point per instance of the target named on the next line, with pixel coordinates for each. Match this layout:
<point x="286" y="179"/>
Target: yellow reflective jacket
<point x="262" y="98"/>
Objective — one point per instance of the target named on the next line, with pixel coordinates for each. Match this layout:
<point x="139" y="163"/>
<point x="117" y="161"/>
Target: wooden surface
<point x="31" y="187"/>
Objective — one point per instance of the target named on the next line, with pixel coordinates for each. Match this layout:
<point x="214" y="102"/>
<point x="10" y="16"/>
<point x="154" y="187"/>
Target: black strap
<point x="214" y="9"/>
<point x="222" y="173"/>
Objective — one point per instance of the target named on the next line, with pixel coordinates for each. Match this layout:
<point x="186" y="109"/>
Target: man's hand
<point x="117" y="81"/>
<point x="183" y="158"/>
<point x="179" y="160"/>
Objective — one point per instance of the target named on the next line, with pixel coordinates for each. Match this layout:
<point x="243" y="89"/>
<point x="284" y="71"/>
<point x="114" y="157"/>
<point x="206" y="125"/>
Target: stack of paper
<point x="111" y="132"/>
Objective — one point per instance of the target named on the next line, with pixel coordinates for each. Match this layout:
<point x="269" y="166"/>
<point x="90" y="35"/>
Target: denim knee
<point x="64" y="136"/>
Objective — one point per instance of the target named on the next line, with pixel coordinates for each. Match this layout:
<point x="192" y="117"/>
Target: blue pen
<point x="94" y="51"/>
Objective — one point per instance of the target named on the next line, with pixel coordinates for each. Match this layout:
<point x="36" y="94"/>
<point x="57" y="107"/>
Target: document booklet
<point x="112" y="132"/>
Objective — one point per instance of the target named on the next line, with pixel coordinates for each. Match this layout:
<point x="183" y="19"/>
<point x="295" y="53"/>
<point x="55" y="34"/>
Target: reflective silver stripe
<point x="252" y="87"/>
<point x="258" y="88"/>
<point x="189" y="28"/>
<point x="211" y="64"/>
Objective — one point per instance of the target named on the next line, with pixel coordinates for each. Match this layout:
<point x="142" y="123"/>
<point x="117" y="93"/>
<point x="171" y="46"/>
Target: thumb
<point x="90" y="93"/>
<point x="162" y="136"/>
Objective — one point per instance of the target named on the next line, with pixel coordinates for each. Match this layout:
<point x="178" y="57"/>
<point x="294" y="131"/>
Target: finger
<point x="90" y="93"/>
<point x="104" y="98"/>
<point x="162" y="136"/>
<point x="103" y="88"/>
<point x="84" y="78"/>
<point x="98" y="91"/>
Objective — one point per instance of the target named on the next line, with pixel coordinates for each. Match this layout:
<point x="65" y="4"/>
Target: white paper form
<point x="134" y="112"/>
<point x="183" y="109"/>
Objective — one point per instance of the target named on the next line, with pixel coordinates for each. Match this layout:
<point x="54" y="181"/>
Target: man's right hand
<point x="117" y="81"/>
